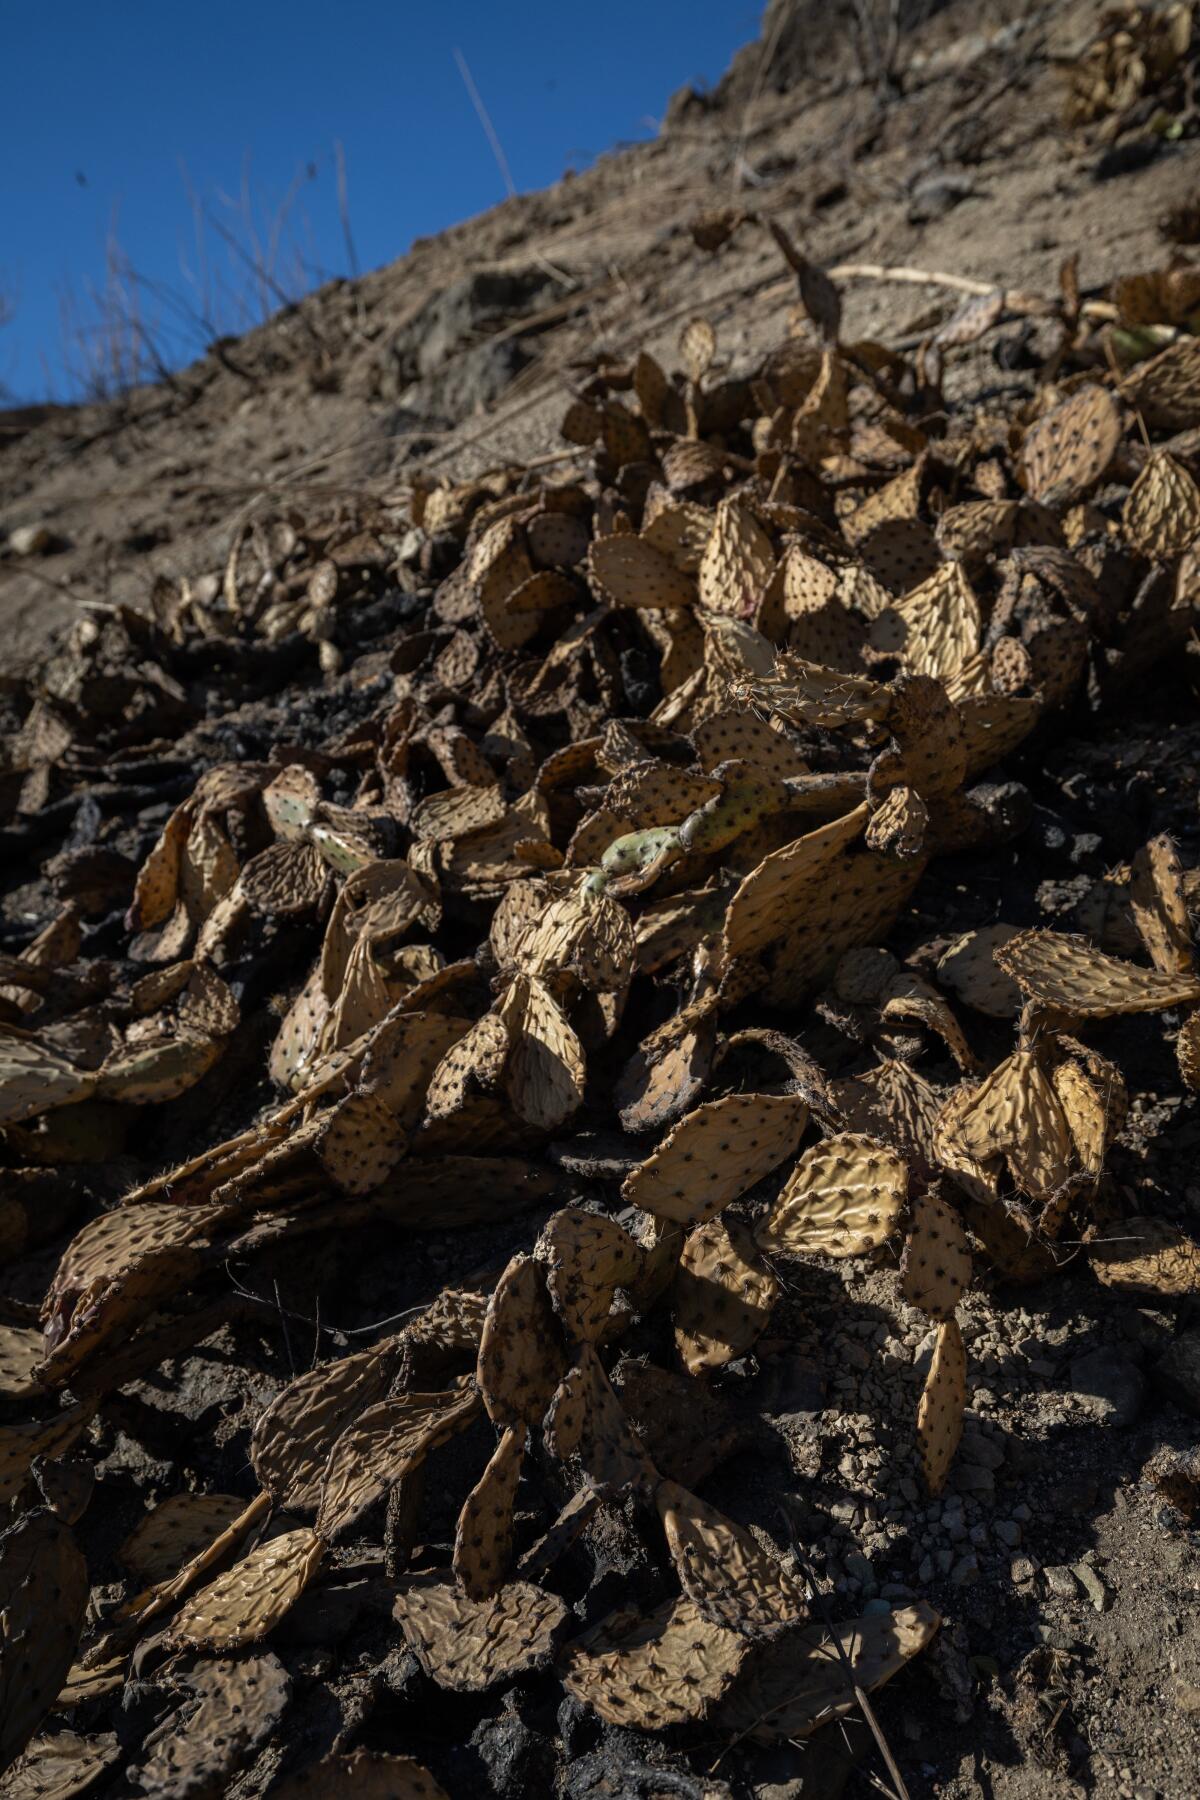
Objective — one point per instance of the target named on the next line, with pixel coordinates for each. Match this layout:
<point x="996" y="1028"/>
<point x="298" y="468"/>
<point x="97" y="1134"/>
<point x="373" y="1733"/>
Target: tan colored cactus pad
<point x="723" y="1568"/>
<point x="248" y="1601"/>
<point x="1067" y="973"/>
<point x="723" y="1294"/>
<point x="468" y="1644"/>
<point x="935" y="1270"/>
<point x="716" y="1154"/>
<point x="943" y="1399"/>
<point x="799" y="1681"/>
<point x="650" y="1671"/>
<point x="844" y="1198"/>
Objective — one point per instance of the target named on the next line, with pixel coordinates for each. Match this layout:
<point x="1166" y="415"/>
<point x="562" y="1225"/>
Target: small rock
<point x="1127" y="157"/>
<point x="937" y="194"/>
<point x="401" y="1675"/>
<point x="1187" y="1699"/>
<point x="1061" y="1581"/>
<point x="1178" y="1372"/>
<point x="1021" y="1570"/>
<point x="1109" y="1385"/>
<point x="950" y="1666"/>
<point x="1152" y="1331"/>
<point x="639" y="676"/>
<point x="971" y="1478"/>
<point x="1053" y="1636"/>
<point x="518" y="1760"/>
<point x="410" y="545"/>
<point x="32" y="540"/>
<point x="860" y="1568"/>
<point x="793" y="1384"/>
<point x="607" y="1771"/>
<point x="984" y="1452"/>
<point x="1048" y="830"/>
<point x="965" y="1570"/>
<point x="1008" y="1531"/>
<point x="576" y="1727"/>
<point x="1097" y="1591"/>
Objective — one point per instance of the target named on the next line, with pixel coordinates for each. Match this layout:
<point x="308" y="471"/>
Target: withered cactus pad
<point x="641" y="989"/>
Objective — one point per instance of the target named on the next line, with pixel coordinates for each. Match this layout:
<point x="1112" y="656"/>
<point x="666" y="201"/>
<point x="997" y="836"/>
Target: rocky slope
<point x="464" y="352"/>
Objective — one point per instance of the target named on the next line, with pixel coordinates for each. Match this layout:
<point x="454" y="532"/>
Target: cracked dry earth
<point x="598" y="1071"/>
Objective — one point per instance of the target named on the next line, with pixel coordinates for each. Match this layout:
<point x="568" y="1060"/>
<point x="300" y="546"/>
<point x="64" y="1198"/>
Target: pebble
<point x="860" y="1568"/>
<point x="31" y="540"/>
<point x="966" y="1570"/>
<point x="796" y="1384"/>
<point x="1008" y="1531"/>
<point x="971" y="1478"/>
<point x="1108" y="1385"/>
<point x="1061" y="1581"/>
<point x="982" y="1449"/>
<point x="1021" y="1570"/>
<point x="1098" y="1592"/>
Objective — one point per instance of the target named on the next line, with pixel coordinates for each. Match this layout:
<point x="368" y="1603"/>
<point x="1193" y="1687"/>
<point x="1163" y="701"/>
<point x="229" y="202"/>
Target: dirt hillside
<point x="463" y="353"/>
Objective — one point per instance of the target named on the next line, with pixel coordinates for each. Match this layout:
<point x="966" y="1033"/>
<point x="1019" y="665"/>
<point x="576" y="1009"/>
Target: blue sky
<point x="112" y="109"/>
